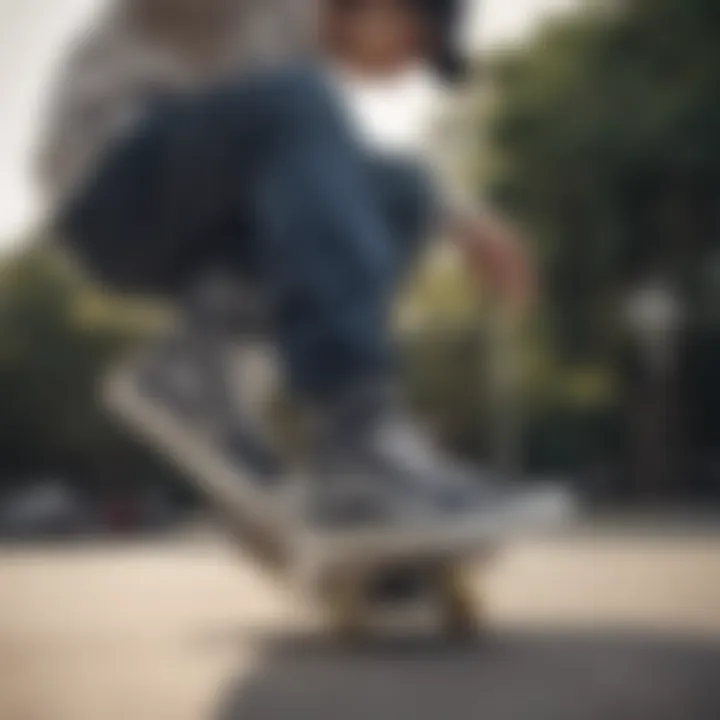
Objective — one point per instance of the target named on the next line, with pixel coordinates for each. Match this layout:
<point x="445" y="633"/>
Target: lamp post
<point x="654" y="317"/>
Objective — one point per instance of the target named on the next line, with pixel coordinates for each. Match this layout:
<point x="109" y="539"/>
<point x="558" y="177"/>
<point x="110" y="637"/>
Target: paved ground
<point x="585" y="628"/>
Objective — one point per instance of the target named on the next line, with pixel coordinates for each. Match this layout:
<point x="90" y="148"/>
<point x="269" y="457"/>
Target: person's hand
<point x="496" y="255"/>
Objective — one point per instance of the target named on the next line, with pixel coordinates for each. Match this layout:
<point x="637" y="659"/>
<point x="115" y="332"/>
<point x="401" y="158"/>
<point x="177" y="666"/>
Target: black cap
<point x="446" y="17"/>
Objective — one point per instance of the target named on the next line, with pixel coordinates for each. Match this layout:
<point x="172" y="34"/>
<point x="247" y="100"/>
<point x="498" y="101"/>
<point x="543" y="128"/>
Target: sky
<point x="34" y="33"/>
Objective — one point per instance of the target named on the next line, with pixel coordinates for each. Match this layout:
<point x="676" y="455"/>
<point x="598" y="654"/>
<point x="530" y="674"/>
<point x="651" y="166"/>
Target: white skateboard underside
<point x="311" y="552"/>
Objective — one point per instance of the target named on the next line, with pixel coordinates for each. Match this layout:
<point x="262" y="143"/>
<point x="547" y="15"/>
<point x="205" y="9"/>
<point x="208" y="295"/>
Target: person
<point x="284" y="176"/>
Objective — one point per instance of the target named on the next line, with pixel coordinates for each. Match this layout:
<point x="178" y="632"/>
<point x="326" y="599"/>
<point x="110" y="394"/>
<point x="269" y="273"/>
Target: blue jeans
<point x="263" y="175"/>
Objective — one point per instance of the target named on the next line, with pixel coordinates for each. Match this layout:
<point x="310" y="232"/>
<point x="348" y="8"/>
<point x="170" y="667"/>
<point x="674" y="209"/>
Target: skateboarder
<point x="298" y="178"/>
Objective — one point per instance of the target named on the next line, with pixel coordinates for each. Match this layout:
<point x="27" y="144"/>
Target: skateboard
<point x="353" y="576"/>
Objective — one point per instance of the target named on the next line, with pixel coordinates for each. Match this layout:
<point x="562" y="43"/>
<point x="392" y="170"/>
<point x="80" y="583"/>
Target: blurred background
<point x="596" y="128"/>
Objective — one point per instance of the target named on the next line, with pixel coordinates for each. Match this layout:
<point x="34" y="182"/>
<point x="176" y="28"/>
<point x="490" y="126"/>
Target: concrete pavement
<point x="598" y="626"/>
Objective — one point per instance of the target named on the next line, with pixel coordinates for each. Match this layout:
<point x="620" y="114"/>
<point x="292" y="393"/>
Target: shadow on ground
<point x="514" y="676"/>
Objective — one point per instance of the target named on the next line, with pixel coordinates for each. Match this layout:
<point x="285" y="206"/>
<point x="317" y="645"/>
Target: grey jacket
<point x="112" y="73"/>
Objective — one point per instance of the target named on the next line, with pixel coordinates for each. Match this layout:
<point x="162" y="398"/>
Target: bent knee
<point x="288" y="97"/>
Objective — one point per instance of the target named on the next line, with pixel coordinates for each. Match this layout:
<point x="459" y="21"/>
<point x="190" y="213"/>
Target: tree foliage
<point x="59" y="336"/>
<point x="607" y="133"/>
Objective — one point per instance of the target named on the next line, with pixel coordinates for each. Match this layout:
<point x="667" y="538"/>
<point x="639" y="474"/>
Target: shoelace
<point x="417" y="454"/>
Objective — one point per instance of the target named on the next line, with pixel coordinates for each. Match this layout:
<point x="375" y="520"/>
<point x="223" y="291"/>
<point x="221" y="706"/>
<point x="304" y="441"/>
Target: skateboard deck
<point x="352" y="574"/>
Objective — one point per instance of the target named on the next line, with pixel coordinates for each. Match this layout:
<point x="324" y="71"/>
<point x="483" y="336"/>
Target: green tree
<point x="57" y="338"/>
<point x="606" y="134"/>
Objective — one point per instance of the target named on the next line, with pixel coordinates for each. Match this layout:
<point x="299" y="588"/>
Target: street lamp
<point x="654" y="317"/>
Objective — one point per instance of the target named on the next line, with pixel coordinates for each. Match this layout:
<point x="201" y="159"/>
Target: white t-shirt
<point x="403" y="115"/>
<point x="393" y="114"/>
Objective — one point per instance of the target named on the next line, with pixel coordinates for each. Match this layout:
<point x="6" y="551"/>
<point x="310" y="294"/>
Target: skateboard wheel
<point x="348" y="626"/>
<point x="346" y="604"/>
<point x="462" y="612"/>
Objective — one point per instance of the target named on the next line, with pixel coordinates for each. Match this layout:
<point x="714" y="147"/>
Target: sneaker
<point x="376" y="464"/>
<point x="166" y="377"/>
<point x="454" y="490"/>
<point x="373" y="465"/>
<point x="196" y="392"/>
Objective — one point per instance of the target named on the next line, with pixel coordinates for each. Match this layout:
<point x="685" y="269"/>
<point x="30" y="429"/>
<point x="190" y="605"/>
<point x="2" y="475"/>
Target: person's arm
<point x="493" y="250"/>
<point x="495" y="253"/>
